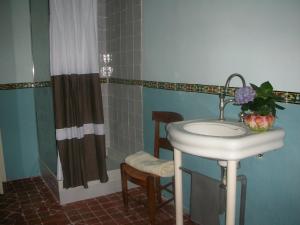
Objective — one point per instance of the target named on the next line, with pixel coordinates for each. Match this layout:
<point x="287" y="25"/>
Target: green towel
<point x="208" y="200"/>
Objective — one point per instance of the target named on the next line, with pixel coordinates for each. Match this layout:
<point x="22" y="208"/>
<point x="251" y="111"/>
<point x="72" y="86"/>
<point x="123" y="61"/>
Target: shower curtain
<point x="77" y="91"/>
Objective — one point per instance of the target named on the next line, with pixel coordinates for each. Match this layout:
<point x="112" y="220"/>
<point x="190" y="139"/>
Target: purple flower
<point x="244" y="95"/>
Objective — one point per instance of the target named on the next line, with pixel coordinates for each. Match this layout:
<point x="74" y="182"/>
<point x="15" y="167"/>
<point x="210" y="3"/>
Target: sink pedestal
<point x="231" y="192"/>
<point x="178" y="187"/>
<point x="231" y="189"/>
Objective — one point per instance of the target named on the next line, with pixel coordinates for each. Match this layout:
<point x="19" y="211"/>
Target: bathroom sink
<point x="215" y="129"/>
<point x="222" y="140"/>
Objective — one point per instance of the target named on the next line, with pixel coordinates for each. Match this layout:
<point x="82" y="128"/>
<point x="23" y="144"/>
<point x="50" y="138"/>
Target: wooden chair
<point x="150" y="181"/>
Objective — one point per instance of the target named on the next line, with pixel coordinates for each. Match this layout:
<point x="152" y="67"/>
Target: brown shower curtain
<point x="80" y="128"/>
<point x="74" y="68"/>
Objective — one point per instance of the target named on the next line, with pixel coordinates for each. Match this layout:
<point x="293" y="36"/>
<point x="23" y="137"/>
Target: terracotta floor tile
<point x="92" y="221"/>
<point x="29" y="202"/>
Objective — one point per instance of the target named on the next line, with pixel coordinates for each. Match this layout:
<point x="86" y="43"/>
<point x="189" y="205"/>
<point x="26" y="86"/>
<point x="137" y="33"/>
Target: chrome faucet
<point x="223" y="101"/>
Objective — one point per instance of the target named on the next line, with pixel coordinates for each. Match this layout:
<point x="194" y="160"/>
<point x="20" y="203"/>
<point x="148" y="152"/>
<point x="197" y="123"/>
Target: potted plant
<point x="259" y="105"/>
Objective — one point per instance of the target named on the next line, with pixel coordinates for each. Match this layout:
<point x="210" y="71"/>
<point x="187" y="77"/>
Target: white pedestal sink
<point x="219" y="140"/>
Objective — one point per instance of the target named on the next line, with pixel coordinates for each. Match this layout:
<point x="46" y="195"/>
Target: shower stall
<point x="119" y="34"/>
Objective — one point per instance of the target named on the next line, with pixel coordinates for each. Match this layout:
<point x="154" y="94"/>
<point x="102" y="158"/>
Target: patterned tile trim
<point x="12" y="86"/>
<point x="103" y="80"/>
<point x="25" y="85"/>
<point x="288" y="97"/>
<point x="125" y="81"/>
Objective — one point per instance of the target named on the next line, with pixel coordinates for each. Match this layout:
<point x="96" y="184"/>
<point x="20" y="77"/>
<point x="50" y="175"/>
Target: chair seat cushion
<point x="147" y="163"/>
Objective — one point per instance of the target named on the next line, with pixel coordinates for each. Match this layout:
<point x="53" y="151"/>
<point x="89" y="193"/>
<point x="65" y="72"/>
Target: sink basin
<point x="222" y="140"/>
<point x="215" y="129"/>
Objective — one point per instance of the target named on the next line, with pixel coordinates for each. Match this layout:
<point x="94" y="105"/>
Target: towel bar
<point x="243" y="180"/>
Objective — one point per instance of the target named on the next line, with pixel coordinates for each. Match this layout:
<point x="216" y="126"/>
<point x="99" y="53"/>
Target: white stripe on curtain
<point x="73" y="37"/>
<point x="79" y="132"/>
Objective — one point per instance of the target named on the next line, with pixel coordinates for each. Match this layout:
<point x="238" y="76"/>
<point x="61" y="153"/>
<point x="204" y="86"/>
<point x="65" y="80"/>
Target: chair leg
<point x="158" y="190"/>
<point x="173" y="188"/>
<point x="151" y="199"/>
<point x="124" y="185"/>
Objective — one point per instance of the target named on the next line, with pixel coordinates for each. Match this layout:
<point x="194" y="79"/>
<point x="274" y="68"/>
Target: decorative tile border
<point x="103" y="80"/>
<point x="12" y="86"/>
<point x="25" y="85"/>
<point x="125" y="81"/>
<point x="288" y="97"/>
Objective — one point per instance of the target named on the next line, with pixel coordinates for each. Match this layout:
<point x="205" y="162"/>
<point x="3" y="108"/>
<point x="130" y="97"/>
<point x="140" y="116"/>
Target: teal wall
<point x="18" y="127"/>
<point x="45" y="128"/>
<point x="273" y="195"/>
<point x="39" y="13"/>
<point x="17" y="120"/>
<point x="199" y="41"/>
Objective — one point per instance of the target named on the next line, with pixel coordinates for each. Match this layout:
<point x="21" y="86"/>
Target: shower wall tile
<point x="121" y="37"/>
<point x="126" y="128"/>
<point x="102" y="46"/>
<point x="102" y="27"/>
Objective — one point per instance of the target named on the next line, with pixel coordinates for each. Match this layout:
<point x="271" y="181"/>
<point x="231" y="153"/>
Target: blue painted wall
<point x="45" y="128"/>
<point x="17" y="108"/>
<point x="19" y="137"/>
<point x="273" y="195"/>
<point x="39" y="14"/>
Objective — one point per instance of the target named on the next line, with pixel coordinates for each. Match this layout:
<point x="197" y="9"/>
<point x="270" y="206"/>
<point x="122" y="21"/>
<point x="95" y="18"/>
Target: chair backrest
<point x="163" y="117"/>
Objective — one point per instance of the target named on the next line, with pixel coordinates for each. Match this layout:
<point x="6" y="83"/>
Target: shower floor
<point x="112" y="164"/>
<point x="29" y="201"/>
<point x="95" y="187"/>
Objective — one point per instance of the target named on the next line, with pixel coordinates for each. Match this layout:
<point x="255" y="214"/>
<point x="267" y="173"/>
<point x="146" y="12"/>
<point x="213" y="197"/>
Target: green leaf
<point x="265" y="100"/>
<point x="274" y="112"/>
<point x="245" y="107"/>
<point x="265" y="90"/>
<point x="279" y="107"/>
<point x="254" y="86"/>
<point x="266" y="86"/>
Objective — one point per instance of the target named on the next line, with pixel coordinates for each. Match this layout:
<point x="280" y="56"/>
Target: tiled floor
<point x="30" y="202"/>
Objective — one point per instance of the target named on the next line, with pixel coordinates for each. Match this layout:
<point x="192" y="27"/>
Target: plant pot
<point x="259" y="123"/>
